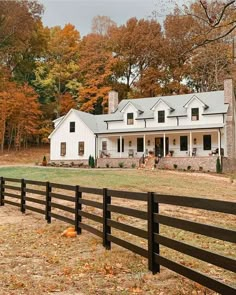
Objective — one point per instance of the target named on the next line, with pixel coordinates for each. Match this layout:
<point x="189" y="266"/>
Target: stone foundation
<point x="69" y="163"/>
<point x="207" y="164"/>
<point x="116" y="162"/>
<point x="229" y="165"/>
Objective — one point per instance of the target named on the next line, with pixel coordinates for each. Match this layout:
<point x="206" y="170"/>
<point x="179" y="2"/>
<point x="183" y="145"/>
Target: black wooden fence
<point x="42" y="197"/>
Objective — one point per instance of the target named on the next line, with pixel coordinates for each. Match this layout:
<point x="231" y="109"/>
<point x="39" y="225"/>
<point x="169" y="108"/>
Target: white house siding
<point x="203" y="119"/>
<point x="168" y="121"/>
<point x="63" y="134"/>
<point x="123" y="124"/>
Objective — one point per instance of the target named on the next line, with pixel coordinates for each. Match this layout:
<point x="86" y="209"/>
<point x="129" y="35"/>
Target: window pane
<point x="130" y="119"/>
<point x="207" y="142"/>
<point x="72" y="126"/>
<point x="183" y="143"/>
<point x="140" y="144"/>
<point x="161" y="116"/>
<point x="195" y="114"/>
<point x="63" y="148"/>
<point x="81" y="148"/>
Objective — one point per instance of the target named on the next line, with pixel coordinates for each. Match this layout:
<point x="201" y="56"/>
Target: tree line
<point x="46" y="71"/>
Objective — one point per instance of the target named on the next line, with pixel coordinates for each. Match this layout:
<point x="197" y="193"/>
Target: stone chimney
<point x="229" y="98"/>
<point x="112" y="101"/>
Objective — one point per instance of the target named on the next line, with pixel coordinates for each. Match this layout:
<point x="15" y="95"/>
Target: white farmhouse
<point x="186" y="131"/>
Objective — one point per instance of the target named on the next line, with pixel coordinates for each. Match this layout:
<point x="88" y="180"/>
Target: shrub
<point x="133" y="165"/>
<point x="121" y="164"/>
<point x="175" y="166"/>
<point x="92" y="162"/>
<point x="218" y="165"/>
<point x="107" y="165"/>
<point x="200" y="168"/>
<point x="89" y="160"/>
<point x="189" y="168"/>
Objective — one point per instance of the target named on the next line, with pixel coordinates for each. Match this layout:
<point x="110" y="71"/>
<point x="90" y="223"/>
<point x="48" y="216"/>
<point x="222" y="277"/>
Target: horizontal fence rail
<point x="69" y="203"/>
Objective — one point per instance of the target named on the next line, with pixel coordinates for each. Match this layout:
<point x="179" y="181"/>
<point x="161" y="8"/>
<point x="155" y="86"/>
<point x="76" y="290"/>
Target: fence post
<point x="106" y="216"/>
<point x="78" y="207"/>
<point x="2" y="192"/>
<point x="23" y="195"/>
<point x="153" y="228"/>
<point x="48" y="202"/>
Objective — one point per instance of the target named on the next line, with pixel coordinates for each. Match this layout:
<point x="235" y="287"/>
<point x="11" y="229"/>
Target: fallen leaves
<point x="69" y="233"/>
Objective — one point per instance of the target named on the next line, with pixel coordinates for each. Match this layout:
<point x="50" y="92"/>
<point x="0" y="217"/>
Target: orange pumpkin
<point x="71" y="234"/>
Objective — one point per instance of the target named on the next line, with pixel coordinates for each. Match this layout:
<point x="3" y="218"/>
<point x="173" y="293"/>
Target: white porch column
<point x="120" y="146"/>
<point x="144" y="144"/>
<point x="219" y="143"/>
<point x="164" y="145"/>
<point x="190" y="144"/>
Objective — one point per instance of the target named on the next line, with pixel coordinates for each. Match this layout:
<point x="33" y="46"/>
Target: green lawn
<point x="161" y="181"/>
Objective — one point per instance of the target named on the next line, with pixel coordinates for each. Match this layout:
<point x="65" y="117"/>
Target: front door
<point x="159" y="146"/>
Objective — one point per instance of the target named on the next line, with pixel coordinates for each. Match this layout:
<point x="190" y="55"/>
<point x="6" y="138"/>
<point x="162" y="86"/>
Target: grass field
<point x="81" y="266"/>
<point x="161" y="181"/>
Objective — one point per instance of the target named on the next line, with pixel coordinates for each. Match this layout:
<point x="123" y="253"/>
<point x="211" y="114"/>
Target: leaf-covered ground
<point x="36" y="259"/>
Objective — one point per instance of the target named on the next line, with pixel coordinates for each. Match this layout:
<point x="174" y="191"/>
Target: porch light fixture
<point x="195" y="140"/>
<point x="148" y="142"/>
<point x="130" y="143"/>
<point x="174" y="141"/>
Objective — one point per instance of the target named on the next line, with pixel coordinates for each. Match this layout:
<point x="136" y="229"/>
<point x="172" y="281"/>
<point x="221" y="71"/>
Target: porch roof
<point x="163" y="129"/>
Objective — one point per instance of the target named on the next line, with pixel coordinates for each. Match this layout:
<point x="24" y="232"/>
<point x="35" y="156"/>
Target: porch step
<point x="149" y="162"/>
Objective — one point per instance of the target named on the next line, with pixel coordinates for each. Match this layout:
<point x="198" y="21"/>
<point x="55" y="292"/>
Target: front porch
<point x="189" y="150"/>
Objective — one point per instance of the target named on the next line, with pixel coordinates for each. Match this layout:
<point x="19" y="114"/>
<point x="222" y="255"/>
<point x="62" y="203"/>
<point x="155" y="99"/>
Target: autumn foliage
<point x="44" y="72"/>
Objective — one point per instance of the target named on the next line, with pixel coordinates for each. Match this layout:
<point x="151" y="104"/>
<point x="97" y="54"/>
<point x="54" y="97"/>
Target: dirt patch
<point x="33" y="156"/>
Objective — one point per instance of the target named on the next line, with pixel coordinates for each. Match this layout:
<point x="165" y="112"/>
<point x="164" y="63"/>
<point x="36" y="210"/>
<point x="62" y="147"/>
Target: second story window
<point x="72" y="126"/>
<point x="195" y="114"/>
<point x="161" y="116"/>
<point x="130" y="119"/>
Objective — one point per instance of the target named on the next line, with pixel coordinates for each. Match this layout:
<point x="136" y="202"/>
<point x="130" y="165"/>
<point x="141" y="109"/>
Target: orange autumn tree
<point x="23" y="122"/>
<point x="66" y="103"/>
<point x="7" y="90"/>
<point x="96" y="63"/>
<point x="136" y="47"/>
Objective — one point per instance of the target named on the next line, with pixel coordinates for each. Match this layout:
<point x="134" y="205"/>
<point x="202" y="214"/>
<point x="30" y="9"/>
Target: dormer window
<point x="161" y="116"/>
<point x="195" y="114"/>
<point x="72" y="126"/>
<point x="130" y="119"/>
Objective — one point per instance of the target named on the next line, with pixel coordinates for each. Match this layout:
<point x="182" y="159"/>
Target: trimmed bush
<point x="121" y="164"/>
<point x="92" y="162"/>
<point x="218" y="166"/>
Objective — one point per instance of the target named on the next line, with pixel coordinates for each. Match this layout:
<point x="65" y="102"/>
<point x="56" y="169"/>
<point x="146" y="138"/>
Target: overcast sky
<point x="81" y="12"/>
